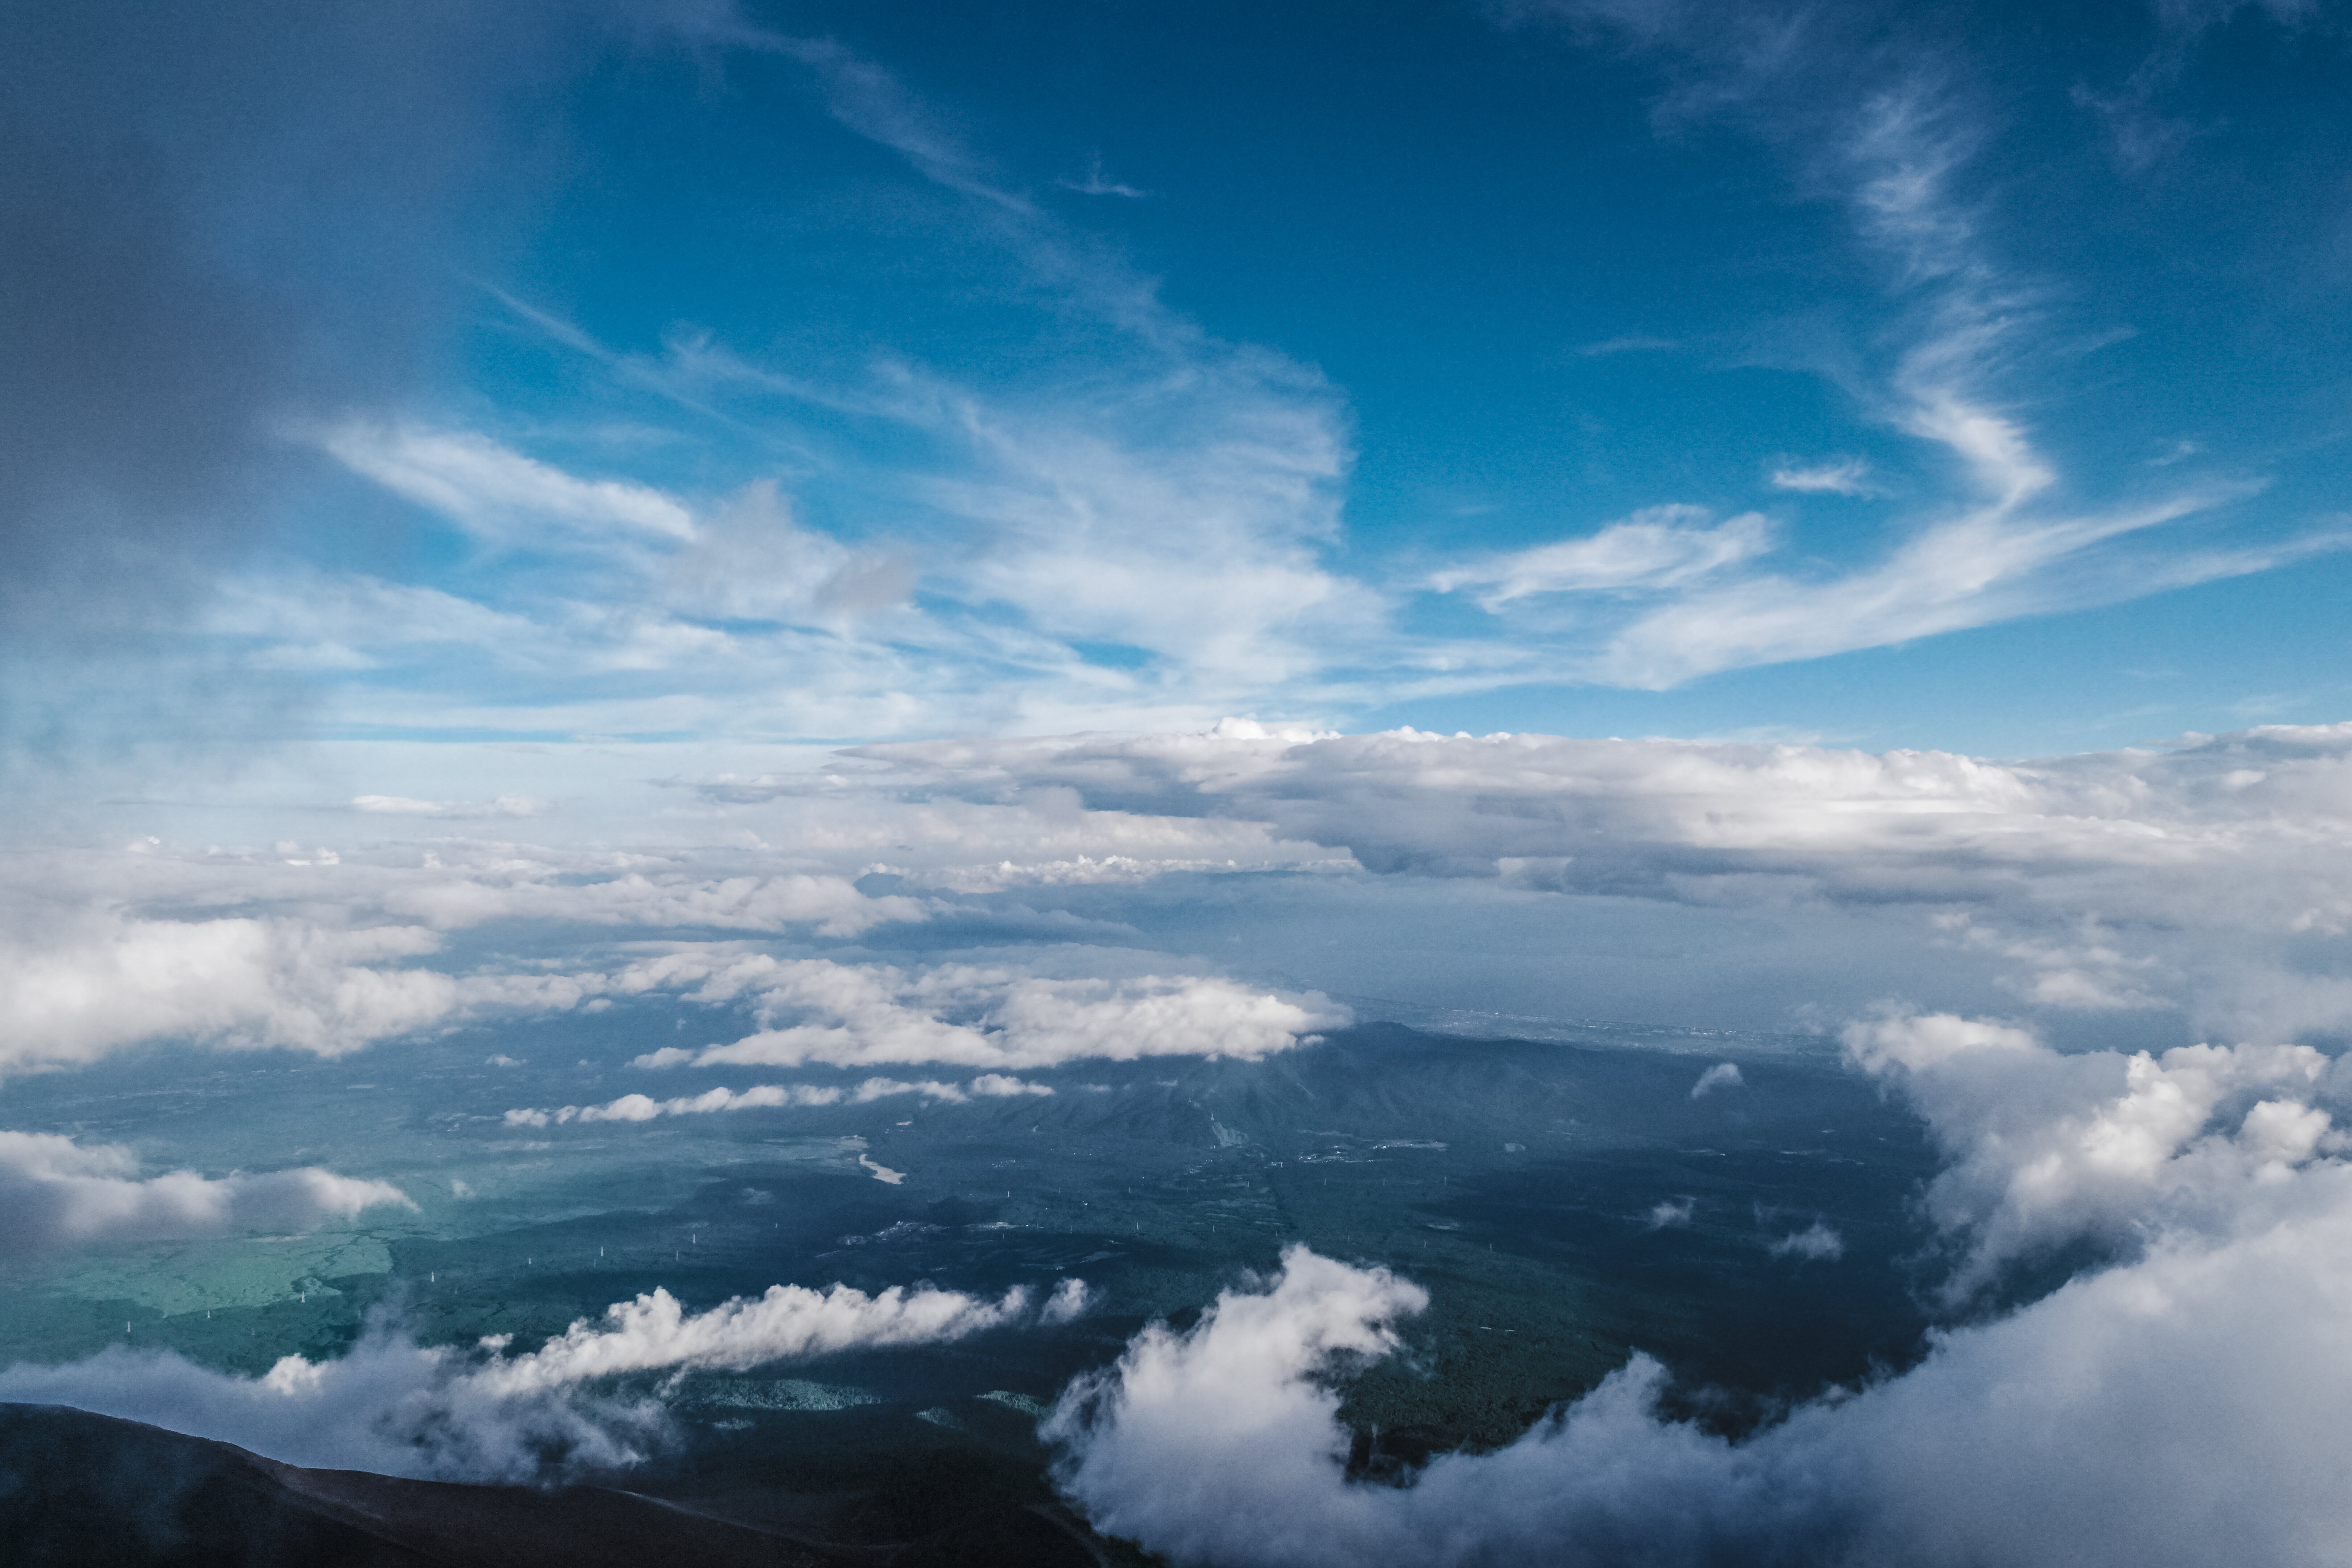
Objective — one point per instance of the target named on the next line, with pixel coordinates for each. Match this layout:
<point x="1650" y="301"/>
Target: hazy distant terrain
<point x="1522" y="1183"/>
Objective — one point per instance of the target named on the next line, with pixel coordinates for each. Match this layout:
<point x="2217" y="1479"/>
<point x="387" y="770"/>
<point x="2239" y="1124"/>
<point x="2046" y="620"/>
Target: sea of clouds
<point x="2207" y="880"/>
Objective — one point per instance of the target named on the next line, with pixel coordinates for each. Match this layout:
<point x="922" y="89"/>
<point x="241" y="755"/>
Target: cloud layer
<point x="2206" y="879"/>
<point x="2178" y="877"/>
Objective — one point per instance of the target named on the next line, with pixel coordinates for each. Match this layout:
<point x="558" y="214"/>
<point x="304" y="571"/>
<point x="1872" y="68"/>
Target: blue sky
<point x="1965" y="377"/>
<point x="461" y="455"/>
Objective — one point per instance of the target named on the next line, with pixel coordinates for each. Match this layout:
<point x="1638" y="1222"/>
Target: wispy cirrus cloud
<point x="497" y="493"/>
<point x="1981" y="567"/>
<point x="1842" y="477"/>
<point x="1139" y="526"/>
<point x="1658" y="548"/>
<point x="1097" y="184"/>
<point x="1894" y="129"/>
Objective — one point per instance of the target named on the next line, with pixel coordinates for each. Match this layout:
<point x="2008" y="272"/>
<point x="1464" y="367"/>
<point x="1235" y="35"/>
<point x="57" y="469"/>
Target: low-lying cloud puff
<point x="1817" y="1243"/>
<point x="1005" y="1086"/>
<point x="393" y="1405"/>
<point x="56" y="1194"/>
<point x="1196" y="1443"/>
<point x="1722" y="1075"/>
<point x="874" y="1015"/>
<point x="1069" y="1302"/>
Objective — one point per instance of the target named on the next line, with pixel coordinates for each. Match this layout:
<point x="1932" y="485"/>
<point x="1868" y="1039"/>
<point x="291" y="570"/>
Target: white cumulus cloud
<point x="645" y="1108"/>
<point x="2046" y="1149"/>
<point x="1817" y="1243"/>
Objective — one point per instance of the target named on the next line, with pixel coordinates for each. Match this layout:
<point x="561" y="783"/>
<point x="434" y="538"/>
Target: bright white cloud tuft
<point x="1189" y="1434"/>
<point x="1668" y="1213"/>
<point x="1003" y="1086"/>
<point x="645" y="1108"/>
